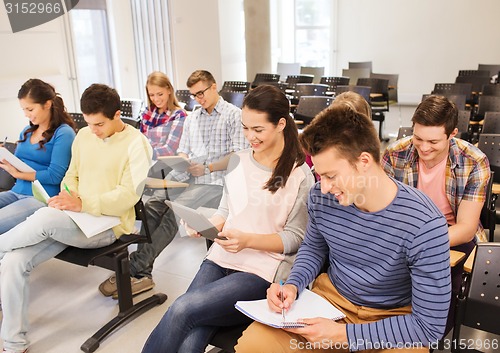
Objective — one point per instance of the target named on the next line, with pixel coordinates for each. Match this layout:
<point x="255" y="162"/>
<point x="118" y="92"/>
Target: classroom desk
<point x="155" y="183"/>
<point x="456" y="257"/>
<point x="470" y="261"/>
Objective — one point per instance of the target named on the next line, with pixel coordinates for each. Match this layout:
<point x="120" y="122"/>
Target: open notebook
<point x="309" y="305"/>
<point x="89" y="224"/>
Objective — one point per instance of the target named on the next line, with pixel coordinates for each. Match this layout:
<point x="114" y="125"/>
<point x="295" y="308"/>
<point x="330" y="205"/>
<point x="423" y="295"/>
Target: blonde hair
<point x="355" y="101"/>
<point x="159" y="79"/>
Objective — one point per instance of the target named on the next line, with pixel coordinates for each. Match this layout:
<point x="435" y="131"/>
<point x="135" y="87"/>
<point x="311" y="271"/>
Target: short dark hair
<point x="437" y="111"/>
<point x="200" y="75"/>
<point x="99" y="98"/>
<point x="340" y="126"/>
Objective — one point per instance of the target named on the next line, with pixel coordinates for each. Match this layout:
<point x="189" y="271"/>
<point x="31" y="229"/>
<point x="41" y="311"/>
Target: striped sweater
<point x="386" y="259"/>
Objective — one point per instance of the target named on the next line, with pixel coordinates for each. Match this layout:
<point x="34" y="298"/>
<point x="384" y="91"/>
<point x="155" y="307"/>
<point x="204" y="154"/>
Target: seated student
<point x="109" y="164"/>
<point x="356" y="102"/>
<point x="210" y="135"/>
<point x="263" y="216"/>
<point x="163" y="119"/>
<point x="386" y="244"/>
<point x="44" y="145"/>
<point x="451" y="171"/>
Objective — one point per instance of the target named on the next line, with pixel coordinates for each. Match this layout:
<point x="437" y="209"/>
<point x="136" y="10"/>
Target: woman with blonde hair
<point x="163" y="119"/>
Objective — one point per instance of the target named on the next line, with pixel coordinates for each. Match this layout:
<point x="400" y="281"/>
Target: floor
<point x="66" y="307"/>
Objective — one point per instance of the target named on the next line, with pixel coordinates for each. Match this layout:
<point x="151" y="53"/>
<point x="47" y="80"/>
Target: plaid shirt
<point x="467" y="171"/>
<point x="163" y="130"/>
<point x="209" y="137"/>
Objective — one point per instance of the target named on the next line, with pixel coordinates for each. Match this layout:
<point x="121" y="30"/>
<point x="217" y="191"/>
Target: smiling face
<point x="431" y="143"/>
<point x="338" y="176"/>
<point x="159" y="96"/>
<point x="205" y="94"/>
<point x="38" y="114"/>
<point x="262" y="134"/>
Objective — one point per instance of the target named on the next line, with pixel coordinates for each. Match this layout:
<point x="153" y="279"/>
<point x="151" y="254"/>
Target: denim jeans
<point x="163" y="224"/>
<point x="192" y="320"/>
<point x="41" y="237"/>
<point x="15" y="208"/>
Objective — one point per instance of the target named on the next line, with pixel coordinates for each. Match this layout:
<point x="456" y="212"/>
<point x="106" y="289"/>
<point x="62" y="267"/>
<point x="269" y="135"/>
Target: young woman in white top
<point x="263" y="216"/>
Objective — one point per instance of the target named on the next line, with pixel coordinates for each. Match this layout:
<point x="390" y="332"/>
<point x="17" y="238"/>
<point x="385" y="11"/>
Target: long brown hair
<point x="270" y="100"/>
<point x="41" y="92"/>
<point x="157" y="78"/>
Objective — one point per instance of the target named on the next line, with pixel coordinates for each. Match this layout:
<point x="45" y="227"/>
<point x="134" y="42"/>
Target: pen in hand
<point x="67" y="189"/>
<point x="282" y="300"/>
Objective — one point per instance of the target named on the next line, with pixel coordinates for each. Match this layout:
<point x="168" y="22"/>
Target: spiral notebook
<point x="309" y="305"/>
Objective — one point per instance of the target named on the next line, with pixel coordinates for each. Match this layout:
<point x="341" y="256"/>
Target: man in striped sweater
<point x="386" y="244"/>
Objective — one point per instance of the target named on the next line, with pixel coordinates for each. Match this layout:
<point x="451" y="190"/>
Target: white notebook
<point x="89" y="224"/>
<point x="92" y="225"/>
<point x="309" y="305"/>
<point x="16" y="162"/>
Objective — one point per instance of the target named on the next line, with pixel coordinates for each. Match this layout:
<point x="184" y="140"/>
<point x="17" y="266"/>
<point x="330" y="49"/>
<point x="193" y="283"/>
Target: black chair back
<point x="491" y="123"/>
<point x="364" y="91"/>
<point x="491" y="90"/>
<point x="79" y="120"/>
<point x="261" y="78"/>
<point x="333" y="82"/>
<point x="184" y="96"/>
<point x="490" y="145"/>
<point x="486" y="104"/>
<point x="235" y="98"/>
<point x="463" y="127"/>
<point x="485" y="73"/>
<point x="310" y="106"/>
<point x="236" y="86"/>
<point x="478" y="306"/>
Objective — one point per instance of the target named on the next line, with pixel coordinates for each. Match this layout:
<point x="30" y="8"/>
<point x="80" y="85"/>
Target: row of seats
<point x="130" y="113"/>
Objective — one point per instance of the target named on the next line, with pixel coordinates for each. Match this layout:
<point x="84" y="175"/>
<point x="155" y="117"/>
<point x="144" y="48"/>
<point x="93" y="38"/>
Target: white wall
<point x="424" y="41"/>
<point x="34" y="53"/>
<point x="195" y="39"/>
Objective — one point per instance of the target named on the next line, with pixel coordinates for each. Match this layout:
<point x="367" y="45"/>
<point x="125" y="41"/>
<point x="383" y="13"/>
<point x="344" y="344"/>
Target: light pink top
<point x="247" y="206"/>
<point x="432" y="182"/>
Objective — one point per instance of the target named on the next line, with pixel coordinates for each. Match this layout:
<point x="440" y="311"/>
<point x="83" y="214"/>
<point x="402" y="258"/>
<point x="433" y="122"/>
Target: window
<point x="302" y="33"/>
<point x="152" y="37"/>
<point x="91" y="45"/>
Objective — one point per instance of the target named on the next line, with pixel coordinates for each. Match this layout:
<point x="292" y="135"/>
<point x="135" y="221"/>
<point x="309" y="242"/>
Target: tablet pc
<point x="195" y="220"/>
<point x="177" y="163"/>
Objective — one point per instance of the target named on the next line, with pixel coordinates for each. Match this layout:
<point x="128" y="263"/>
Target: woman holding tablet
<point x="263" y="216"/>
<point x="44" y="145"/>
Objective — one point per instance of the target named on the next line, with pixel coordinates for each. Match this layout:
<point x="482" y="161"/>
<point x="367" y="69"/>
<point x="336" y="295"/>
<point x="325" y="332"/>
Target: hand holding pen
<point x="66" y="200"/>
<point x="281" y="296"/>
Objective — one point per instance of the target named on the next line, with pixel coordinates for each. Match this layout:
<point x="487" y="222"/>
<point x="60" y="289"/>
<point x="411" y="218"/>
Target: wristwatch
<point x="207" y="169"/>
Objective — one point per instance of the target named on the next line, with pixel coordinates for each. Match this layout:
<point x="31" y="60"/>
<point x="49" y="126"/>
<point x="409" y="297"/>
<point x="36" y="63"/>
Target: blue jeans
<point x="193" y="319"/>
<point x="41" y="237"/>
<point x="15" y="208"/>
<point x="163" y="224"/>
